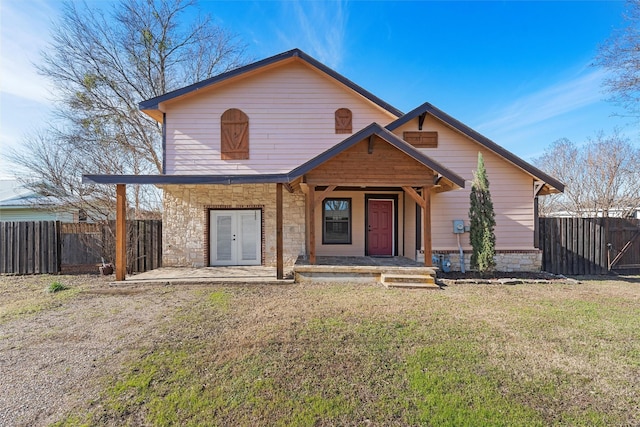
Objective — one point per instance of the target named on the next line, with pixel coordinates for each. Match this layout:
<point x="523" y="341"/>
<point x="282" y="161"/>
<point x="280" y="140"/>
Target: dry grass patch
<point x="28" y="295"/>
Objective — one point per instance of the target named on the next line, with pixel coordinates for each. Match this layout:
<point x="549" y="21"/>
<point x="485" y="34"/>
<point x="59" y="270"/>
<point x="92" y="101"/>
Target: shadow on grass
<point x="613" y="276"/>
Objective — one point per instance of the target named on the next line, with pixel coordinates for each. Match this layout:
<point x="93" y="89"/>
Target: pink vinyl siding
<point x="291" y="110"/>
<point x="511" y="191"/>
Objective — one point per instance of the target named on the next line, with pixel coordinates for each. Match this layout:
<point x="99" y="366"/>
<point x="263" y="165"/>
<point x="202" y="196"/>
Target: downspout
<point x="461" y="254"/>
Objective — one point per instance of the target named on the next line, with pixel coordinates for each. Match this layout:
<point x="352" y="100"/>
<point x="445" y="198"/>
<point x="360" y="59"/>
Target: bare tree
<point x="101" y="66"/>
<point x="620" y="55"/>
<point x="601" y="176"/>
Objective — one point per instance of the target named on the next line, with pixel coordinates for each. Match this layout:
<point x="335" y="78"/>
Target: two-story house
<point x="285" y="158"/>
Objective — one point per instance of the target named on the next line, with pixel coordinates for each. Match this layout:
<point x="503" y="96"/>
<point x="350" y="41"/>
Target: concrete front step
<point x="424" y="281"/>
<point x="363" y="274"/>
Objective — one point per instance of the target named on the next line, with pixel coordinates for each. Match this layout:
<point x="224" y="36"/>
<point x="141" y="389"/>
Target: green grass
<point x="57" y="287"/>
<point x="451" y="386"/>
<point x="528" y="355"/>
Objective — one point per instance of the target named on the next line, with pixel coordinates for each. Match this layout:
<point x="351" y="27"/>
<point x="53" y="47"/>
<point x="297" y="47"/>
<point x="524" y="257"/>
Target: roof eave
<point x="185" y="179"/>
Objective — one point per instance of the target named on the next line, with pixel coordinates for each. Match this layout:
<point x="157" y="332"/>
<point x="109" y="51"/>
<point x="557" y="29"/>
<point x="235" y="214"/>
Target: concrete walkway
<point x="337" y="268"/>
<point x="206" y="275"/>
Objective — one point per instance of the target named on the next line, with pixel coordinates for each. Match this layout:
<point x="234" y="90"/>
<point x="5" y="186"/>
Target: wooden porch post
<point x="121" y="232"/>
<point x="311" y="208"/>
<point x="426" y="225"/>
<point x="279" y="240"/>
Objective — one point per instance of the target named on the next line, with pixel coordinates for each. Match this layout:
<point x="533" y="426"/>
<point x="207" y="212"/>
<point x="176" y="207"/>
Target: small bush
<point x="56" y="287"/>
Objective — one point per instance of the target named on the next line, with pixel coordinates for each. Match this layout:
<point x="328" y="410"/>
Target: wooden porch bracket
<point x="304" y="187"/>
<point x="279" y="239"/>
<point x="321" y="196"/>
<point x="121" y="232"/>
<point x="415" y="196"/>
<point x="421" y="118"/>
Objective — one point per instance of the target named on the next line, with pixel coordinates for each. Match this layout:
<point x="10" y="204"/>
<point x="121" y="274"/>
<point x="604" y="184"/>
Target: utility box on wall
<point x="458" y="226"/>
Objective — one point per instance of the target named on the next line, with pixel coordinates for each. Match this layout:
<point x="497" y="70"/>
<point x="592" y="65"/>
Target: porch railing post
<point x="311" y="206"/>
<point x="426" y="225"/>
<point x="279" y="239"/>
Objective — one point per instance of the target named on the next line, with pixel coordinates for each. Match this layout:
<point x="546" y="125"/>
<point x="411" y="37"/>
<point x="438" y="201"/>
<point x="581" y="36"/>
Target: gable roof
<point x="428" y="108"/>
<point x="152" y="106"/>
<point x="377" y="130"/>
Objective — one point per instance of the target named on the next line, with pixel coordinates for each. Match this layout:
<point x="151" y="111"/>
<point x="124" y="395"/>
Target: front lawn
<point x="476" y="355"/>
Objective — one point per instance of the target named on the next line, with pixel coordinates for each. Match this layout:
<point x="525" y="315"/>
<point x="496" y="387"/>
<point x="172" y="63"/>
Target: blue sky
<point x="518" y="72"/>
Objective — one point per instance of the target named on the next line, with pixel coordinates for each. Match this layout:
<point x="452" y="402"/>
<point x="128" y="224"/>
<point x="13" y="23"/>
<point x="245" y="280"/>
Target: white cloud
<point x="25" y="96"/>
<point x="318" y="28"/>
<point x="547" y="104"/>
<point x="24" y="34"/>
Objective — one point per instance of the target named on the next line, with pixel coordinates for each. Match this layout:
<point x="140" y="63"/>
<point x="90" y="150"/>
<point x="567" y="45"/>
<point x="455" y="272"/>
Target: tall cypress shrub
<point x="483" y="222"/>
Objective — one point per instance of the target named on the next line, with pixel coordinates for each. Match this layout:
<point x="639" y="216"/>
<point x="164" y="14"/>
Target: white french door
<point x="235" y="237"/>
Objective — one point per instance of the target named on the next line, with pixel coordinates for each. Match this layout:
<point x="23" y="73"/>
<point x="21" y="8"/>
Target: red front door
<point x="380" y="227"/>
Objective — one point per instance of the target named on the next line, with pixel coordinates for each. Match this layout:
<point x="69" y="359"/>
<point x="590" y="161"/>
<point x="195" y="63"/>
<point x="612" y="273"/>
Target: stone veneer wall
<point x="505" y="260"/>
<point x="186" y="216"/>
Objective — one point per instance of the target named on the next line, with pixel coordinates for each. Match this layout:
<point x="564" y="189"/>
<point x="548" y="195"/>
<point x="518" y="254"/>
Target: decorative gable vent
<point x="234" y="134"/>
<point x="421" y="139"/>
<point x="343" y="121"/>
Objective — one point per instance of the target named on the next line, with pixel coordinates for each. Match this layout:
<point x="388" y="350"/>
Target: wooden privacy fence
<point x="43" y="247"/>
<point x="81" y="243"/>
<point x="578" y="246"/>
<point x="144" y="244"/>
<point x="30" y="247"/>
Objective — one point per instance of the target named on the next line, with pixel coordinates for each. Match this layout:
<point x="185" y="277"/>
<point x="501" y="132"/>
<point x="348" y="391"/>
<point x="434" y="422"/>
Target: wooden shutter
<point x="343" y="120"/>
<point x="234" y="135"/>
<point x="422" y="139"/>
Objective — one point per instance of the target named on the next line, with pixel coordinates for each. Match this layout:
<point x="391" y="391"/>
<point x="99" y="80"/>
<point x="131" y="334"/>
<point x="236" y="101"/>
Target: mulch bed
<point x="501" y="277"/>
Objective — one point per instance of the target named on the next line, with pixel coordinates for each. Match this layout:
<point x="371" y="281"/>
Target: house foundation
<point x="506" y="260"/>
